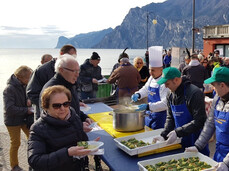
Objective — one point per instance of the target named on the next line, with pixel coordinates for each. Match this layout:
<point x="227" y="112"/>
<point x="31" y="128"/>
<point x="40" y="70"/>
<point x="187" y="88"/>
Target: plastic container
<point x="104" y="90"/>
<point x="202" y="157"/>
<point x="146" y="137"/>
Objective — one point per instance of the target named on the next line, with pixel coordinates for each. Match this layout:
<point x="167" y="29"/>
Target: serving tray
<point x="202" y="157"/>
<point x="146" y="137"/>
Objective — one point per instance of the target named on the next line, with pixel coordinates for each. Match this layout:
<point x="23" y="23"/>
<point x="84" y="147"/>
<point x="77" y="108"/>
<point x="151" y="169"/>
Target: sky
<point x="39" y="23"/>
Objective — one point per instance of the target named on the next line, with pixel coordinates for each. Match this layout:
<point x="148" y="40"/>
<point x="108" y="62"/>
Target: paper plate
<point x="85" y="109"/>
<point x="94" y="145"/>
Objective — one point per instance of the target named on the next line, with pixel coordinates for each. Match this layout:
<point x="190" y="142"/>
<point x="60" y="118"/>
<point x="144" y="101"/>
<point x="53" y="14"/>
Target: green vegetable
<point x="183" y="164"/>
<point x="83" y="143"/>
<point x="134" y="143"/>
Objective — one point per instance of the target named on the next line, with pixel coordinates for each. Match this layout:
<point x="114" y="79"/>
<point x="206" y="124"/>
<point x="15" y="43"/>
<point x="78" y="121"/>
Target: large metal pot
<point x="125" y="121"/>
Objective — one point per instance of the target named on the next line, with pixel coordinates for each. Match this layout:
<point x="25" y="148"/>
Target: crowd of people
<point x="52" y="94"/>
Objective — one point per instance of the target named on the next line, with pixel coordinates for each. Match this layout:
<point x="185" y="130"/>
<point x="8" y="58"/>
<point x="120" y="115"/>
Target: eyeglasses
<point x="58" y="105"/>
<point x="75" y="71"/>
<point x="139" y="63"/>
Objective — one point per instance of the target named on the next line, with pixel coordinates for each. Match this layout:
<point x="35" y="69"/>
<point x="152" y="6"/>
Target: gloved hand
<point x="135" y="97"/>
<point x="172" y="136"/>
<point x="158" y="139"/>
<point x="191" y="149"/>
<point x="221" y="166"/>
<point x="141" y="107"/>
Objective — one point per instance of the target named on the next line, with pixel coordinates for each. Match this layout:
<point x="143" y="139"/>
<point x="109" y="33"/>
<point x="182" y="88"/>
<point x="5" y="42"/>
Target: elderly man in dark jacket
<point x="42" y="75"/>
<point x="186" y="109"/>
<point x="90" y="73"/>
<point x="67" y="72"/>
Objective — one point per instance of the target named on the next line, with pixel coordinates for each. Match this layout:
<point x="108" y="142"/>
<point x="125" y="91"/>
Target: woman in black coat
<point x="53" y="138"/>
<point x="143" y="71"/>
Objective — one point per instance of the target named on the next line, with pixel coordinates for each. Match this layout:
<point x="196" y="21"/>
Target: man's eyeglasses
<point x="58" y="105"/>
<point x="75" y="71"/>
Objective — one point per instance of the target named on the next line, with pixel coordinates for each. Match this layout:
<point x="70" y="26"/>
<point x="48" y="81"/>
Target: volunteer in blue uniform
<point x="186" y="109"/>
<point x="157" y="104"/>
<point x="218" y="119"/>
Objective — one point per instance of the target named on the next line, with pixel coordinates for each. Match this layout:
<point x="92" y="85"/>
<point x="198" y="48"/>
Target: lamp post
<point x="147" y="29"/>
<point x="193" y="26"/>
<point x="147" y="38"/>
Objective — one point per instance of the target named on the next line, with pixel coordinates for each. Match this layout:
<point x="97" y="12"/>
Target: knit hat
<point x="95" y="56"/>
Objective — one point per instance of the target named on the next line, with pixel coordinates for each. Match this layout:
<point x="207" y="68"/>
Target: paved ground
<point x="4" y="154"/>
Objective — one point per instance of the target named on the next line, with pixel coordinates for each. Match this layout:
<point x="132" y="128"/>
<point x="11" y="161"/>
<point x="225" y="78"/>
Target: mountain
<point x="174" y="24"/>
<point x="86" y="40"/>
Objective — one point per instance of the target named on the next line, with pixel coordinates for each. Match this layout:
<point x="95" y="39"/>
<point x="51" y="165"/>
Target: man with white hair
<point x="41" y="76"/>
<point x="67" y="71"/>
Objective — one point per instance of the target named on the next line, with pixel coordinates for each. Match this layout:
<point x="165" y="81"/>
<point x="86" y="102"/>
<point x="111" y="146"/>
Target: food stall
<point x="114" y="157"/>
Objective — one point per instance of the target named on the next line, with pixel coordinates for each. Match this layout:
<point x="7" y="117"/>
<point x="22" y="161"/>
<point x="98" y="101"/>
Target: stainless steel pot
<point x="125" y="121"/>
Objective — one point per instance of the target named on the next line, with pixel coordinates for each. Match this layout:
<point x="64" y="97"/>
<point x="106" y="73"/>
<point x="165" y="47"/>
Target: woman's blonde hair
<point x="136" y="60"/>
<point x="48" y="92"/>
<point x="23" y="71"/>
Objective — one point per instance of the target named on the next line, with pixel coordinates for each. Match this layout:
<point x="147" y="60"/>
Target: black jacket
<point x="49" y="141"/>
<point x="197" y="74"/>
<point x="39" y="78"/>
<point x="15" y="103"/>
<point x="59" y="80"/>
<point x="195" y="104"/>
<point x="88" y="72"/>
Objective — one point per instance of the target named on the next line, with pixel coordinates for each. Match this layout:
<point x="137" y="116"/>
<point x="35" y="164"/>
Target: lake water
<point x="11" y="59"/>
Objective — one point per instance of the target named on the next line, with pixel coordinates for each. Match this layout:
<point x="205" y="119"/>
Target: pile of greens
<point x="184" y="164"/>
<point x="83" y="143"/>
<point x="134" y="143"/>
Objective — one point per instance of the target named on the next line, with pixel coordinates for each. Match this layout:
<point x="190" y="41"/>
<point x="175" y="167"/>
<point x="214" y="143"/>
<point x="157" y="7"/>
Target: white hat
<point x="155" y="56"/>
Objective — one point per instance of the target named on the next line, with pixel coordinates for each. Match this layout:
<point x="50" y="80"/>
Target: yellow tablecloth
<point x="105" y="121"/>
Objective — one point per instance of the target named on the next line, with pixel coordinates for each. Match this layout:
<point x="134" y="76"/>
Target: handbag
<point x="87" y="87"/>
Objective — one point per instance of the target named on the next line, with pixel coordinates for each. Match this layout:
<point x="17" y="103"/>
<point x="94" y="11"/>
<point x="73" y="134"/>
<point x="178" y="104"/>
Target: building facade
<point x="216" y="37"/>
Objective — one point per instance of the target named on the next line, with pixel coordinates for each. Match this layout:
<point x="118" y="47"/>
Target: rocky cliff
<point x="86" y="40"/>
<point x="173" y="28"/>
<point x="174" y="24"/>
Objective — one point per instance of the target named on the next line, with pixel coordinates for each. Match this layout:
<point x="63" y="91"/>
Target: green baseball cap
<point x="168" y="74"/>
<point x="220" y="74"/>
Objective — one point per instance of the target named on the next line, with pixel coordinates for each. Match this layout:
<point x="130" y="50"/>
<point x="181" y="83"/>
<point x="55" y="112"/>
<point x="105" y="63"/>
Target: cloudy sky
<point x="38" y="24"/>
